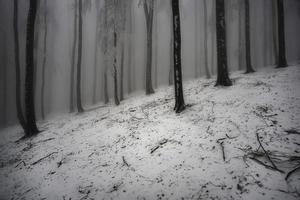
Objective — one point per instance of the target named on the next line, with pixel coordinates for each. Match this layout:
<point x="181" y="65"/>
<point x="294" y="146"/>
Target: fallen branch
<point x="266" y="166"/>
<point x="267" y="154"/>
<point x="291" y="172"/>
<point x="223" y="151"/>
<point x="21" y="163"/>
<point x="292" y="131"/>
<point x="41" y="159"/>
<point x="160" y="144"/>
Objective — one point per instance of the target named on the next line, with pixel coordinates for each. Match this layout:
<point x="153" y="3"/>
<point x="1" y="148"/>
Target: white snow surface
<point x="105" y="153"/>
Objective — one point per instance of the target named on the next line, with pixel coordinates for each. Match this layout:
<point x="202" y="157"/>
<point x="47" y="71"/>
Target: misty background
<point x="60" y="23"/>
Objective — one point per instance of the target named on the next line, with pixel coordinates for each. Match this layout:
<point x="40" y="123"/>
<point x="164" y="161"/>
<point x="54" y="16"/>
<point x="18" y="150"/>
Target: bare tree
<point x="207" y="71"/>
<point x="223" y="77"/>
<point x="249" y="68"/>
<point x="31" y="128"/>
<point x="281" y="35"/>
<point x="17" y="66"/>
<point x="179" y="99"/>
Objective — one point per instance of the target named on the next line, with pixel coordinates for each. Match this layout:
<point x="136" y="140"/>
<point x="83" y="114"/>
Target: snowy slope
<point x="105" y="153"/>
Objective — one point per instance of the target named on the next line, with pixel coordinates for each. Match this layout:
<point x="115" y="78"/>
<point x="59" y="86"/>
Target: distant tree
<point x="75" y="37"/>
<point x="197" y="68"/>
<point x="17" y="66"/>
<point x="148" y="6"/>
<point x="274" y="30"/>
<point x="223" y="77"/>
<point x="130" y="46"/>
<point x="31" y="128"/>
<point x="281" y="35"/>
<point x="249" y="68"/>
<point x="179" y="99"/>
<point x="44" y="60"/>
<point x="171" y="69"/>
<point x="207" y="71"/>
<point x="79" y="61"/>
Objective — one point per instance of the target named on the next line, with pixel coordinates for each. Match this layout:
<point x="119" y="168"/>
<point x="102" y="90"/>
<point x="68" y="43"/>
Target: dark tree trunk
<point x="281" y="35"/>
<point x="17" y="65"/>
<point x="149" y="24"/>
<point x="223" y="77"/>
<point x="115" y="71"/>
<point x="171" y="74"/>
<point x="78" y="86"/>
<point x="72" y="78"/>
<point x="130" y="49"/>
<point x="249" y="68"/>
<point x="274" y="30"/>
<point x="31" y="128"/>
<point x="208" y="75"/>
<point x="44" y="62"/>
<point x="179" y="100"/>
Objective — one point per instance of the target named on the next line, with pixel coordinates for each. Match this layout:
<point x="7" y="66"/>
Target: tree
<point x="281" y="35"/>
<point x="75" y="37"/>
<point x="179" y="100"/>
<point x="44" y="60"/>
<point x="31" y="128"/>
<point x="148" y="6"/>
<point x="79" y="60"/>
<point x="223" y="77"/>
<point x="207" y="71"/>
<point x="17" y="66"/>
<point x="249" y="68"/>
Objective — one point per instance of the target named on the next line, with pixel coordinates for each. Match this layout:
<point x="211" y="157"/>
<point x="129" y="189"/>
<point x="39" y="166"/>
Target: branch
<point x="41" y="159"/>
<point x="291" y="172"/>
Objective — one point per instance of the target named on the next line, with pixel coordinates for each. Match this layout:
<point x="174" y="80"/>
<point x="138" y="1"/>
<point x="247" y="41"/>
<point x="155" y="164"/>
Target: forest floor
<point x="238" y="142"/>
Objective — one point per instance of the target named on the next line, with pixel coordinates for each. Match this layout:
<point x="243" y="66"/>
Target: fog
<point x="60" y="23"/>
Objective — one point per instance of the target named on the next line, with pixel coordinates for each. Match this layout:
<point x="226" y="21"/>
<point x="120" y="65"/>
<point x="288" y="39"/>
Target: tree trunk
<point x="207" y="71"/>
<point x="274" y="26"/>
<point x="249" y="68"/>
<point x="95" y="61"/>
<point x="31" y="128"/>
<point x="281" y="35"/>
<point x="179" y="100"/>
<point x="223" y="77"/>
<point x="130" y="49"/>
<point x="241" y="41"/>
<point x="196" y="39"/>
<point x="72" y="78"/>
<point x="17" y="65"/>
<point x="149" y="23"/>
<point x="122" y="72"/>
<point x="44" y="62"/>
<point x="115" y="71"/>
<point x="171" y="74"/>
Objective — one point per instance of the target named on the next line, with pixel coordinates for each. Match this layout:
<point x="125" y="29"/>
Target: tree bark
<point x="122" y="71"/>
<point x="281" y="35"/>
<point x="249" y="68"/>
<point x="31" y="128"/>
<point x="17" y="66"/>
<point x="179" y="99"/>
<point x="223" y="77"/>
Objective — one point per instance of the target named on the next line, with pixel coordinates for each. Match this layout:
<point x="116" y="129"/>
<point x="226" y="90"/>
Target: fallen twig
<point x="267" y="166"/>
<point x="223" y="151"/>
<point x="291" y="172"/>
<point x="41" y="159"/>
<point x="125" y="162"/>
<point x="292" y="131"/>
<point x="21" y="163"/>
<point x="160" y="144"/>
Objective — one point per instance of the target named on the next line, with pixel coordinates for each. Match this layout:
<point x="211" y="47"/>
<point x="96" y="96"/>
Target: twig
<point x="125" y="162"/>
<point x="291" y="172"/>
<point x="292" y="131"/>
<point x="164" y="141"/>
<point x="267" y="166"/>
<point x="230" y="137"/>
<point x="21" y="163"/>
<point x="223" y="151"/>
<point x="39" y="160"/>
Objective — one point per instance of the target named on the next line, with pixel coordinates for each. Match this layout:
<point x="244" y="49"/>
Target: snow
<point x="105" y="153"/>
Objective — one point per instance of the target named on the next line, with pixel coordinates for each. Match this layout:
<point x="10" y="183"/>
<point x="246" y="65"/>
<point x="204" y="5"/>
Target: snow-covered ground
<point x="143" y="150"/>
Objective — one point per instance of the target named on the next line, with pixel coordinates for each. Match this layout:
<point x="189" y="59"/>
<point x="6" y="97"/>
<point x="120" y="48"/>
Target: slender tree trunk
<point x="72" y="78"/>
<point x="207" y="71"/>
<point x="4" y="81"/>
<point x="249" y="68"/>
<point x="156" y="45"/>
<point x="223" y="77"/>
<point x="79" y="63"/>
<point x="17" y="65"/>
<point x="44" y="62"/>
<point x="105" y="81"/>
<point x="274" y="26"/>
<point x="115" y="71"/>
<point x="122" y="71"/>
<point x="241" y="41"/>
<point x="149" y="23"/>
<point x="281" y="35"/>
<point x="179" y="104"/>
<point x="196" y="39"/>
<point x="95" y="63"/>
<point x="171" y="69"/>
<point x="129" y="71"/>
<point x="31" y="128"/>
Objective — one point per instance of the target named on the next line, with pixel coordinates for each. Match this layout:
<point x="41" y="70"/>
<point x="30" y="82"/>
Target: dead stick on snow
<point x="159" y="145"/>
<point x="39" y="160"/>
<point x="291" y="172"/>
<point x="125" y="162"/>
